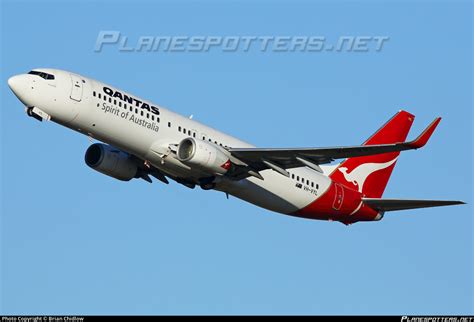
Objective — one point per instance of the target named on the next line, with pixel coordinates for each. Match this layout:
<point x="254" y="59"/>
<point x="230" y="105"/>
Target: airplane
<point x="142" y="139"/>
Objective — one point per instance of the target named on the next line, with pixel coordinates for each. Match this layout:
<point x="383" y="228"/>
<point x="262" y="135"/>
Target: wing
<point x="252" y="160"/>
<point x="403" y="204"/>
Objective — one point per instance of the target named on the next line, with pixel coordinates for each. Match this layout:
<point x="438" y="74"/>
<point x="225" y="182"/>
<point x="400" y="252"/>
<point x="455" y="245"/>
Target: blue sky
<point x="74" y="241"/>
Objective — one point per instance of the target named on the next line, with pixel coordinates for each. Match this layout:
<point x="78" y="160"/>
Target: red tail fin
<point x="370" y="174"/>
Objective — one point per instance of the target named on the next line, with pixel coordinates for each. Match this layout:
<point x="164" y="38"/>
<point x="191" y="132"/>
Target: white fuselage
<point x="73" y="101"/>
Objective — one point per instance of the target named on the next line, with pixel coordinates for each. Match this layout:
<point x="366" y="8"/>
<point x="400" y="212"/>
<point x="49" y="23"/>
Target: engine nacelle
<point x="111" y="161"/>
<point x="203" y="155"/>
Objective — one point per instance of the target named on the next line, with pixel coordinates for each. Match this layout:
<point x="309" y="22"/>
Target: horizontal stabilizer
<point x="403" y="204"/>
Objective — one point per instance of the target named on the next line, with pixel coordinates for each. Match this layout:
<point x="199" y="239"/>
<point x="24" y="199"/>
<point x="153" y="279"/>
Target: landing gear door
<point x="76" y="89"/>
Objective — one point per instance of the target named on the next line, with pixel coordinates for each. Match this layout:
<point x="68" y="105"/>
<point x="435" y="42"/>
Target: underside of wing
<point x="253" y="160"/>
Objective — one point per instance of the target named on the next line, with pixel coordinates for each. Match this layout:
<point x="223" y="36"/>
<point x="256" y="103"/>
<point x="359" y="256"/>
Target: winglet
<point x="421" y="140"/>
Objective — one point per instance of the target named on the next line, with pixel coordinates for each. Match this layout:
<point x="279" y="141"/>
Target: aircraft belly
<point x="277" y="193"/>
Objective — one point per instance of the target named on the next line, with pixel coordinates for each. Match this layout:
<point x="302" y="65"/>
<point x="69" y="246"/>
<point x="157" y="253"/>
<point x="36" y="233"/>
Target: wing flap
<point x="403" y="204"/>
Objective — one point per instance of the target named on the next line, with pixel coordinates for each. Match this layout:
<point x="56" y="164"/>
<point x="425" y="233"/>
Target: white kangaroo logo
<point x="360" y="173"/>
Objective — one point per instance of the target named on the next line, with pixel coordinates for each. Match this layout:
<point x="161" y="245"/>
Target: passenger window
<point x="169" y="124"/>
<point x="312" y="184"/>
<point x="147" y="115"/>
<point x="93" y="93"/>
<point x="307" y="182"/>
<point x="292" y="176"/>
<point x="110" y="100"/>
<point x="120" y="104"/>
<point x="179" y="128"/>
<point x="153" y="117"/>
<point x="317" y="186"/>
<point x="99" y="96"/>
<point x="115" y="102"/>
<point x="297" y="178"/>
<point x="141" y="113"/>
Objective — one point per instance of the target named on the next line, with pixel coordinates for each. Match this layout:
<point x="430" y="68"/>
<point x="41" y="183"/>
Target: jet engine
<point x="204" y="155"/>
<point x="111" y="161"/>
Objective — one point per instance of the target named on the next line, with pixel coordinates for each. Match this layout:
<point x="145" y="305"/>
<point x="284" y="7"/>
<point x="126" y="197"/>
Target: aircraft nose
<point x="18" y="85"/>
<point x="13" y="82"/>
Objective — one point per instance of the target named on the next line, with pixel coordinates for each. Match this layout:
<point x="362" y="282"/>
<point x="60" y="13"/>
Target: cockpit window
<point x="41" y="74"/>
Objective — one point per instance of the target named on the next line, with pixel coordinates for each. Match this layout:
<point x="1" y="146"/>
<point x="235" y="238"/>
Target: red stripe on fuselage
<point x="338" y="203"/>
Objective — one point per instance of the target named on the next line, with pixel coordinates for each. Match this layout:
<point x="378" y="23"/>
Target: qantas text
<point x="131" y="100"/>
